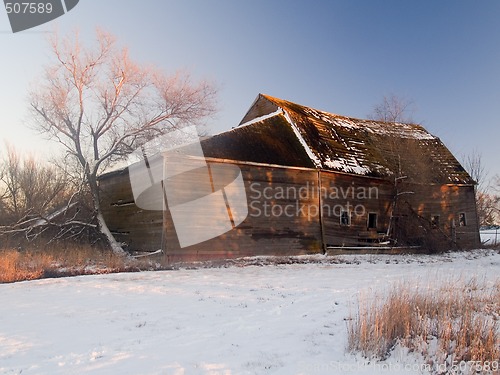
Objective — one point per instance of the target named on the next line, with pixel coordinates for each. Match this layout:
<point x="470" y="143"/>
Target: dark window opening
<point x="345" y="218"/>
<point x="462" y="221"/>
<point x="435" y="221"/>
<point x="372" y="220"/>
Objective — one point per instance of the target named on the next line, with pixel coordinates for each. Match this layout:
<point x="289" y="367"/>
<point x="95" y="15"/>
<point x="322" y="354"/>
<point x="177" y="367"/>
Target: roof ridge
<point x="278" y="101"/>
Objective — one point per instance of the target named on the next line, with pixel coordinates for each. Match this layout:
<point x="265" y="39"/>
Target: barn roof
<point x="277" y="131"/>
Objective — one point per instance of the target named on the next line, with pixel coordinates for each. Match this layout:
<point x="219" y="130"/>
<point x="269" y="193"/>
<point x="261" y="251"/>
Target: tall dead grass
<point x="457" y="321"/>
<point x="63" y="260"/>
<point x="17" y="266"/>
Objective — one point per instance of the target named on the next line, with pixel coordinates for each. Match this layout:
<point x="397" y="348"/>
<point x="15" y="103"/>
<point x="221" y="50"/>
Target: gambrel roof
<point x="276" y="131"/>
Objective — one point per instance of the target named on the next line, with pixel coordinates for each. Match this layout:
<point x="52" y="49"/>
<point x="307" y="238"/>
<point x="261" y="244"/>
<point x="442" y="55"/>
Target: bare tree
<point x="488" y="202"/>
<point x="486" y="199"/>
<point x="496" y="195"/>
<point x="11" y="181"/>
<point x="487" y="208"/>
<point x="100" y="105"/>
<point x="28" y="188"/>
<point x="473" y="164"/>
<point x="409" y="167"/>
<point x="393" y="108"/>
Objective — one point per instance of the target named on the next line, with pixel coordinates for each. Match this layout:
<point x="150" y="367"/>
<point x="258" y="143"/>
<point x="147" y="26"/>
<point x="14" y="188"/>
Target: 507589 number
<point x="31" y="8"/>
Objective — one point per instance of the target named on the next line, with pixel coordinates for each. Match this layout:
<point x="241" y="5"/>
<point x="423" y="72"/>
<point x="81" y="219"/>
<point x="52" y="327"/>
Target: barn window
<point x="435" y="221"/>
<point x="462" y="221"/>
<point x="345" y="218"/>
<point x="372" y="220"/>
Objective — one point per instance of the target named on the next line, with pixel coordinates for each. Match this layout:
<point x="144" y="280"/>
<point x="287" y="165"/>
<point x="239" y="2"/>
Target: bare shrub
<point x="459" y="321"/>
<point x="29" y="188"/>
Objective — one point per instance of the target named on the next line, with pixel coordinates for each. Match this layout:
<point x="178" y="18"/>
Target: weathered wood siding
<point x="358" y="196"/>
<point x="278" y="222"/>
<point x="138" y="229"/>
<point x="291" y="211"/>
<point x="447" y="202"/>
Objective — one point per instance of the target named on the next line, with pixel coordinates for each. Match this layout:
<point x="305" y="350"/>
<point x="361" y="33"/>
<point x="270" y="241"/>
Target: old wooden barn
<point x="314" y="182"/>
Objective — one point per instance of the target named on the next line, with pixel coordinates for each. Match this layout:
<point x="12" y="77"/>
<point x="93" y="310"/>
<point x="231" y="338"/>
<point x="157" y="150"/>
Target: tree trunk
<point x="103" y="227"/>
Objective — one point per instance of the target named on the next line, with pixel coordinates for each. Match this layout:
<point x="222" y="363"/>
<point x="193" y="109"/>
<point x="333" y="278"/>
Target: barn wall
<point x="284" y="213"/>
<point x="283" y="218"/>
<point x="447" y="202"/>
<point x="359" y="197"/>
<point x="138" y="229"/>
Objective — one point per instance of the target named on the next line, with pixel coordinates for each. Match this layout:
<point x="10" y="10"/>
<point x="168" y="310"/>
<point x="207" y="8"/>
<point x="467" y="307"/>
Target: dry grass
<point x="63" y="260"/>
<point x="16" y="266"/>
<point x="458" y="321"/>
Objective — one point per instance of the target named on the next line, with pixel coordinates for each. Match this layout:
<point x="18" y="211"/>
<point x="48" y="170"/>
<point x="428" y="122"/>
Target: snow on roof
<point x="304" y="144"/>
<point x="375" y="127"/>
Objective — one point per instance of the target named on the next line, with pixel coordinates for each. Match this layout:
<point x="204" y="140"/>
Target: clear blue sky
<point x="339" y="56"/>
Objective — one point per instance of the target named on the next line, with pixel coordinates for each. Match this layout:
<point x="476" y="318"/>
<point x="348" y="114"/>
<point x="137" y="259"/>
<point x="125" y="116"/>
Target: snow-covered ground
<point x="281" y="319"/>
<point x="490" y="236"/>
